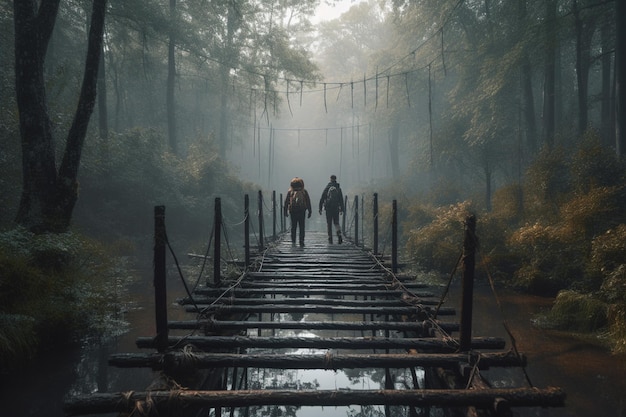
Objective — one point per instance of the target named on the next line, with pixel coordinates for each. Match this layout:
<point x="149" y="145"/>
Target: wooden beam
<point x="162" y="400"/>
<point x="311" y="308"/>
<point x="299" y="301"/>
<point x="421" y="344"/>
<point x="202" y="360"/>
<point x="217" y="325"/>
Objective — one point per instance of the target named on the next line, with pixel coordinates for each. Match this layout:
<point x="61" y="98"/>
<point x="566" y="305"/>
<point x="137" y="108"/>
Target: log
<point x="306" y="291"/>
<point x="216" y="325"/>
<point x="338" y="286"/>
<point x="311" y="308"/>
<point x="189" y="399"/>
<point x="421" y="344"/>
<point x="300" y="301"/>
<point x="202" y="360"/>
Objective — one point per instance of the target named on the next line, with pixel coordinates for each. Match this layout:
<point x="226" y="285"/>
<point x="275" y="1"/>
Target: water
<point x="592" y="378"/>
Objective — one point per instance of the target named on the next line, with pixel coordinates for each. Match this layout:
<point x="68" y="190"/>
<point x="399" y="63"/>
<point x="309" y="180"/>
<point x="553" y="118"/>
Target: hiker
<point x="297" y="203"/>
<point x="332" y="201"/>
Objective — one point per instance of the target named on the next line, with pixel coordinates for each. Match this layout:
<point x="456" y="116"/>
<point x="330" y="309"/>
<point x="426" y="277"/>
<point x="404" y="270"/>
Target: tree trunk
<point x="584" y="29"/>
<point x="231" y="26"/>
<point x="620" y="78"/>
<point x="549" y="88"/>
<point x="527" y="88"/>
<point x="606" y="114"/>
<point x="48" y="198"/>
<point x="394" y="152"/>
<point x="171" y="80"/>
<point x="103" y="113"/>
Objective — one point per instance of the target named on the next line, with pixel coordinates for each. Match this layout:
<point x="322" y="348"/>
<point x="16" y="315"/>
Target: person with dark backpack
<point x="297" y="203"/>
<point x="332" y="201"/>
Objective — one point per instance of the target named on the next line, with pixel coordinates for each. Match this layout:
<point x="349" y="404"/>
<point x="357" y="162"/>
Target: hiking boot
<point x="330" y="239"/>
<point x="339" y="239"/>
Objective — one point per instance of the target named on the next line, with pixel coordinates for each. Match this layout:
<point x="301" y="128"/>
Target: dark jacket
<point x="325" y="195"/>
<point x="296" y="184"/>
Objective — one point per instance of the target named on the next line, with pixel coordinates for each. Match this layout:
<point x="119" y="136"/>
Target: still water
<point x="592" y="378"/>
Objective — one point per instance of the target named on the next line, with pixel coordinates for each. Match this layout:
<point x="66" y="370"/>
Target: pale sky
<point x="326" y="12"/>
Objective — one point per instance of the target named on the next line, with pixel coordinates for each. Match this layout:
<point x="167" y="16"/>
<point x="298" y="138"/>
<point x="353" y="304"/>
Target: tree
<point x="48" y="196"/>
<point x="620" y="76"/>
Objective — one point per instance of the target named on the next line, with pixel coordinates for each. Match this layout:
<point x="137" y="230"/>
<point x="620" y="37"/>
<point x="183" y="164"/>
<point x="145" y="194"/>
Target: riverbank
<point x="591" y="376"/>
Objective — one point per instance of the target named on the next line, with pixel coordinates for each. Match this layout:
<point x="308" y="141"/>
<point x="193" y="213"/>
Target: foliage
<point x="438" y="244"/>
<point x="577" y="312"/>
<point x="54" y="289"/>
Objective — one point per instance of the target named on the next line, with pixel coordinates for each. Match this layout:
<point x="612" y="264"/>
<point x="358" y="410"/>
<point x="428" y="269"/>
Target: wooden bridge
<point x="317" y="307"/>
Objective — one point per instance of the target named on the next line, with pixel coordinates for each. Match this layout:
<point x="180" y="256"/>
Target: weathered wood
<point x="337" y="286"/>
<point x="305" y="291"/>
<point x="299" y="301"/>
<point x="312" y="308"/>
<point x="216" y="325"/>
<point x="421" y="344"/>
<point x="201" y="360"/>
<point x="162" y="400"/>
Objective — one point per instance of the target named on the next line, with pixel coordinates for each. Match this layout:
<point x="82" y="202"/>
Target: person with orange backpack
<point x="297" y="203"/>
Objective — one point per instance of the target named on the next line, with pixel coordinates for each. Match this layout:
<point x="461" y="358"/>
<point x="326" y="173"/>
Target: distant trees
<point x="49" y="195"/>
<point x="498" y="70"/>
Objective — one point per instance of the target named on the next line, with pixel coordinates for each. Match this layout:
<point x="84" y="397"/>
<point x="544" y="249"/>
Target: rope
<point x="499" y="304"/>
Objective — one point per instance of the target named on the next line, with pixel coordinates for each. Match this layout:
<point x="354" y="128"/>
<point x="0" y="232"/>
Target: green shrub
<point x="61" y="284"/>
<point x="577" y="312"/>
<point x="18" y="340"/>
<point x="550" y="258"/>
<point x="438" y="244"/>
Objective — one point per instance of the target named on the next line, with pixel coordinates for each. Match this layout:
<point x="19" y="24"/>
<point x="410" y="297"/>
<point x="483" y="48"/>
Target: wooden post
<point x="356" y="220"/>
<point x="343" y="221"/>
<point x="246" y="229"/>
<point x="469" y="249"/>
<point x="260" y="202"/>
<point x="160" y="290"/>
<point x="282" y="214"/>
<point x="274" y="205"/>
<point x="363" y="221"/>
<point x="394" y="237"/>
<point x="375" y="221"/>
<point x="217" y="249"/>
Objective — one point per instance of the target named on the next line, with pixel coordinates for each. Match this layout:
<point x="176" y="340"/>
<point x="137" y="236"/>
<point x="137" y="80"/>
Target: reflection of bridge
<point x="318" y="307"/>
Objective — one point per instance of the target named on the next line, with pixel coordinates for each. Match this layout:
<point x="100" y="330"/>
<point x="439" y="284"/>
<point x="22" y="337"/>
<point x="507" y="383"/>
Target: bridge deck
<point x="321" y="306"/>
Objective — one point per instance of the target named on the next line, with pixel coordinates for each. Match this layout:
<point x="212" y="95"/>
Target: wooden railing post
<point x="217" y="249"/>
<point x="160" y="290"/>
<point x="469" y="261"/>
<point x="394" y="237"/>
<point x="246" y="229"/>
<point x="356" y="220"/>
<point x="375" y="221"/>
<point x="282" y="214"/>
<point x="260" y="201"/>
<point x="343" y="221"/>
<point x="274" y="205"/>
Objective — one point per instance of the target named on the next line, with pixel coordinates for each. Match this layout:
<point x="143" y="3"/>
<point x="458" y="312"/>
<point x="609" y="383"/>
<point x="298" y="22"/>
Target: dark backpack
<point x="333" y="197"/>
<point x="297" y="203"/>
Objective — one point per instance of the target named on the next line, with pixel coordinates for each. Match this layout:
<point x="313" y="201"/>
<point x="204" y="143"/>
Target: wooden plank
<point x="306" y="291"/>
<point x="179" y="399"/>
<point x="201" y="360"/>
<point x="420" y="344"/>
<point x="217" y="325"/>
<point x="301" y="301"/>
<point x="311" y="308"/>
